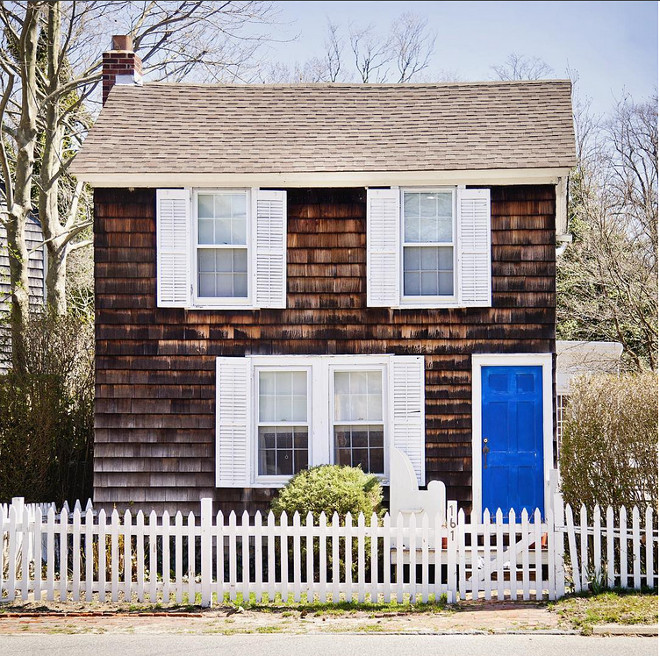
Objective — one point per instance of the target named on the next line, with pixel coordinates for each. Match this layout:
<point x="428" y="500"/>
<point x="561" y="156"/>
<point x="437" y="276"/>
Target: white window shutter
<point x="173" y="247"/>
<point x="270" y="249"/>
<point x="407" y="401"/>
<point x="383" y="258"/>
<point x="232" y="426"/>
<point x="474" y="247"/>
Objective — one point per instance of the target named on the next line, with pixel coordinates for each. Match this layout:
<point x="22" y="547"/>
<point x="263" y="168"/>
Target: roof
<point x="576" y="358"/>
<point x="196" y="128"/>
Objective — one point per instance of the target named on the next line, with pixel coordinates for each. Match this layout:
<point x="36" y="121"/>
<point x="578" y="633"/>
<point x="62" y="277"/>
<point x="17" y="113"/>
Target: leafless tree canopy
<point x="361" y="53"/>
<point x="522" y="67"/>
<point x="608" y="279"/>
<point x="50" y="68"/>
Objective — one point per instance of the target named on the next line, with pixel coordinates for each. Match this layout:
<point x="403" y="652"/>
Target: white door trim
<point x="543" y="360"/>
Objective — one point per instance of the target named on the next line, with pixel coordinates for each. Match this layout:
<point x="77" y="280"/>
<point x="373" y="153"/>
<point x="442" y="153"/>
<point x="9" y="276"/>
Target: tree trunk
<point x="54" y="233"/>
<point x="22" y="202"/>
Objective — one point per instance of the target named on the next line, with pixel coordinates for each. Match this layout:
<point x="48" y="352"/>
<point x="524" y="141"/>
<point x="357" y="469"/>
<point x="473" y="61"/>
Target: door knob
<point x="485" y="451"/>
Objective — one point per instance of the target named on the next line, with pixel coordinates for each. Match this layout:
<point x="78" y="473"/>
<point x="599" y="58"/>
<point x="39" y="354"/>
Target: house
<point x="36" y="276"/>
<point x="581" y="358"/>
<point x="293" y="275"/>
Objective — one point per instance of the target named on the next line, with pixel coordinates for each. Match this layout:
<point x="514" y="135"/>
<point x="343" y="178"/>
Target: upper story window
<point x="428" y="247"/>
<point x="428" y="244"/>
<point x="221" y="249"/>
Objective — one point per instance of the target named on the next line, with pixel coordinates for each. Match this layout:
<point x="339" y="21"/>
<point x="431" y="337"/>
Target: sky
<point x="612" y="45"/>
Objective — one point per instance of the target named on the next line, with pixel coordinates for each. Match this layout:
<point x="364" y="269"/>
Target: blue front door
<point x="512" y="438"/>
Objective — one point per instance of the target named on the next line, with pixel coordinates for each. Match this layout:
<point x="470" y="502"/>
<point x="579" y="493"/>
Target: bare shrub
<point x="47" y="413"/>
<point x="609" y="450"/>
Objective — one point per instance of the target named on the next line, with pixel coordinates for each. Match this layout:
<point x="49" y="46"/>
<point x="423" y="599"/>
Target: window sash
<point x="430" y="299"/>
<point x="339" y="423"/>
<point x="278" y="479"/>
<point x="198" y="299"/>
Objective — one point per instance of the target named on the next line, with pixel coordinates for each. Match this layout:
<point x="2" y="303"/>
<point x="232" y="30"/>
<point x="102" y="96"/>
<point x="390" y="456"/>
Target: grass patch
<point x="344" y="607"/>
<point x="583" y="611"/>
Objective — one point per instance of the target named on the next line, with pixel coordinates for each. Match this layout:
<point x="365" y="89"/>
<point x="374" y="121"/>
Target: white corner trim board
<point x="543" y="360"/>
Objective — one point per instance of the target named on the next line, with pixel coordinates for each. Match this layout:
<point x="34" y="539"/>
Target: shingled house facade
<point x="294" y="275"/>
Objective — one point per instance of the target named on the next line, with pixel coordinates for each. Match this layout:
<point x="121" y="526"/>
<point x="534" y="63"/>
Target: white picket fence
<point x="92" y="556"/>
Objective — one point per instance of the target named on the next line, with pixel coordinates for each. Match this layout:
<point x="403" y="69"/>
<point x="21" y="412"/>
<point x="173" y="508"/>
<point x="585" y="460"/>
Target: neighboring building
<point x="293" y="275"/>
<point x="575" y="359"/>
<point x="37" y="278"/>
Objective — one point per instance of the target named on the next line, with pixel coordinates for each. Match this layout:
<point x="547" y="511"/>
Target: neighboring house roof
<point x="196" y="128"/>
<point x="580" y="358"/>
<point x="36" y="276"/>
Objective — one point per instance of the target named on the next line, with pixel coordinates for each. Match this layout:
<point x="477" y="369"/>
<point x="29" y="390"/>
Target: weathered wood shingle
<point x="155" y="407"/>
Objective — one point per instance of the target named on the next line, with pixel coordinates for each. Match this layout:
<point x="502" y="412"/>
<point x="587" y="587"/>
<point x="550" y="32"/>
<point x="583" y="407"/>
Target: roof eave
<point x="325" y="179"/>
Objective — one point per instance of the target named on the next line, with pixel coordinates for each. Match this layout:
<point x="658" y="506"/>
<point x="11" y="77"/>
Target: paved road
<point x="325" y="645"/>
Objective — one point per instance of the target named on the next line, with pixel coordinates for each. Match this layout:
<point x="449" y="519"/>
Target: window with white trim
<point x="221" y="248"/>
<point x="428" y="247"/>
<point x="428" y="244"/>
<point x="359" y="419"/>
<point x="283" y="422"/>
<point x="277" y="415"/>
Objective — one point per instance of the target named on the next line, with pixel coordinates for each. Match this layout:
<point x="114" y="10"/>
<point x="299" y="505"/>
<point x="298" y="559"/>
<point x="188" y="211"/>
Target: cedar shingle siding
<point x="155" y="407"/>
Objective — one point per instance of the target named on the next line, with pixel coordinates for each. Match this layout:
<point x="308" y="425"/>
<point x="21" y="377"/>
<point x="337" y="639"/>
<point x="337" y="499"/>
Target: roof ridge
<point x="356" y="85"/>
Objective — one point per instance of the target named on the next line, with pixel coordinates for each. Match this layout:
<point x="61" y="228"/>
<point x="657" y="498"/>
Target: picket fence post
<point x="207" y="553"/>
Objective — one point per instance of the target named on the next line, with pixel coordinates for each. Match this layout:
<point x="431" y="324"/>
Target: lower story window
<point x="359" y="429"/>
<point x="280" y="414"/>
<point x="283" y="429"/>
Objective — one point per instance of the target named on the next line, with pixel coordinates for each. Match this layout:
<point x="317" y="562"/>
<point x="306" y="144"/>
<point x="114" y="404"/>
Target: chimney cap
<point x="122" y="42"/>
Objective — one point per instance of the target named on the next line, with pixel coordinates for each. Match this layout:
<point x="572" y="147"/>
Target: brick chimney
<point x="121" y="65"/>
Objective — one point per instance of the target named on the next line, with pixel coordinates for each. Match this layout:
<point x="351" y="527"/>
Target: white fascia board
<point x="327" y="179"/>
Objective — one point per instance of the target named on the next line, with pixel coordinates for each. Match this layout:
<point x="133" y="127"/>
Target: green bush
<point x="609" y="450"/>
<point x="330" y="489"/>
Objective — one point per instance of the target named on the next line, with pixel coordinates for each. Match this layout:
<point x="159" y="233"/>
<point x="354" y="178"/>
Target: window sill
<point x="219" y="306"/>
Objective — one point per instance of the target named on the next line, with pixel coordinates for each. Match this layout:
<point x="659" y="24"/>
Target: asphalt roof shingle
<point x="196" y="128"/>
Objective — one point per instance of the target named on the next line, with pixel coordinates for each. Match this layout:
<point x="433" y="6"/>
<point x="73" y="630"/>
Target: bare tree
<point x="522" y="67"/>
<point x="50" y="67"/>
<point x="412" y="44"/>
<point x="372" y="54"/>
<point x="608" y="279"/>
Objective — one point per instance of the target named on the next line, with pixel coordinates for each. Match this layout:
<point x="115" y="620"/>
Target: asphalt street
<point x="325" y="645"/>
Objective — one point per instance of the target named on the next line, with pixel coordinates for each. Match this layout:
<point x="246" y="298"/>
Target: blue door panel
<point x="512" y="422"/>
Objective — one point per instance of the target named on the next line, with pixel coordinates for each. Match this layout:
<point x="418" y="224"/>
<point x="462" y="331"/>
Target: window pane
<point x="205" y="206"/>
<point x="223" y="206"/>
<point x="206" y="231"/>
<point x="223" y="232"/>
<point x="428" y="270"/>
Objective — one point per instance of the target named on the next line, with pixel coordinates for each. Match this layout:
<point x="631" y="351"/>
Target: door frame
<point x="480" y="360"/>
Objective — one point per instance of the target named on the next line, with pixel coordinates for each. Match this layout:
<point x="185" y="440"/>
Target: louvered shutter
<point x="173" y="247"/>
<point x="270" y="249"/>
<point x="407" y="401"/>
<point x="232" y="436"/>
<point x="383" y="229"/>
<point x="474" y="247"/>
